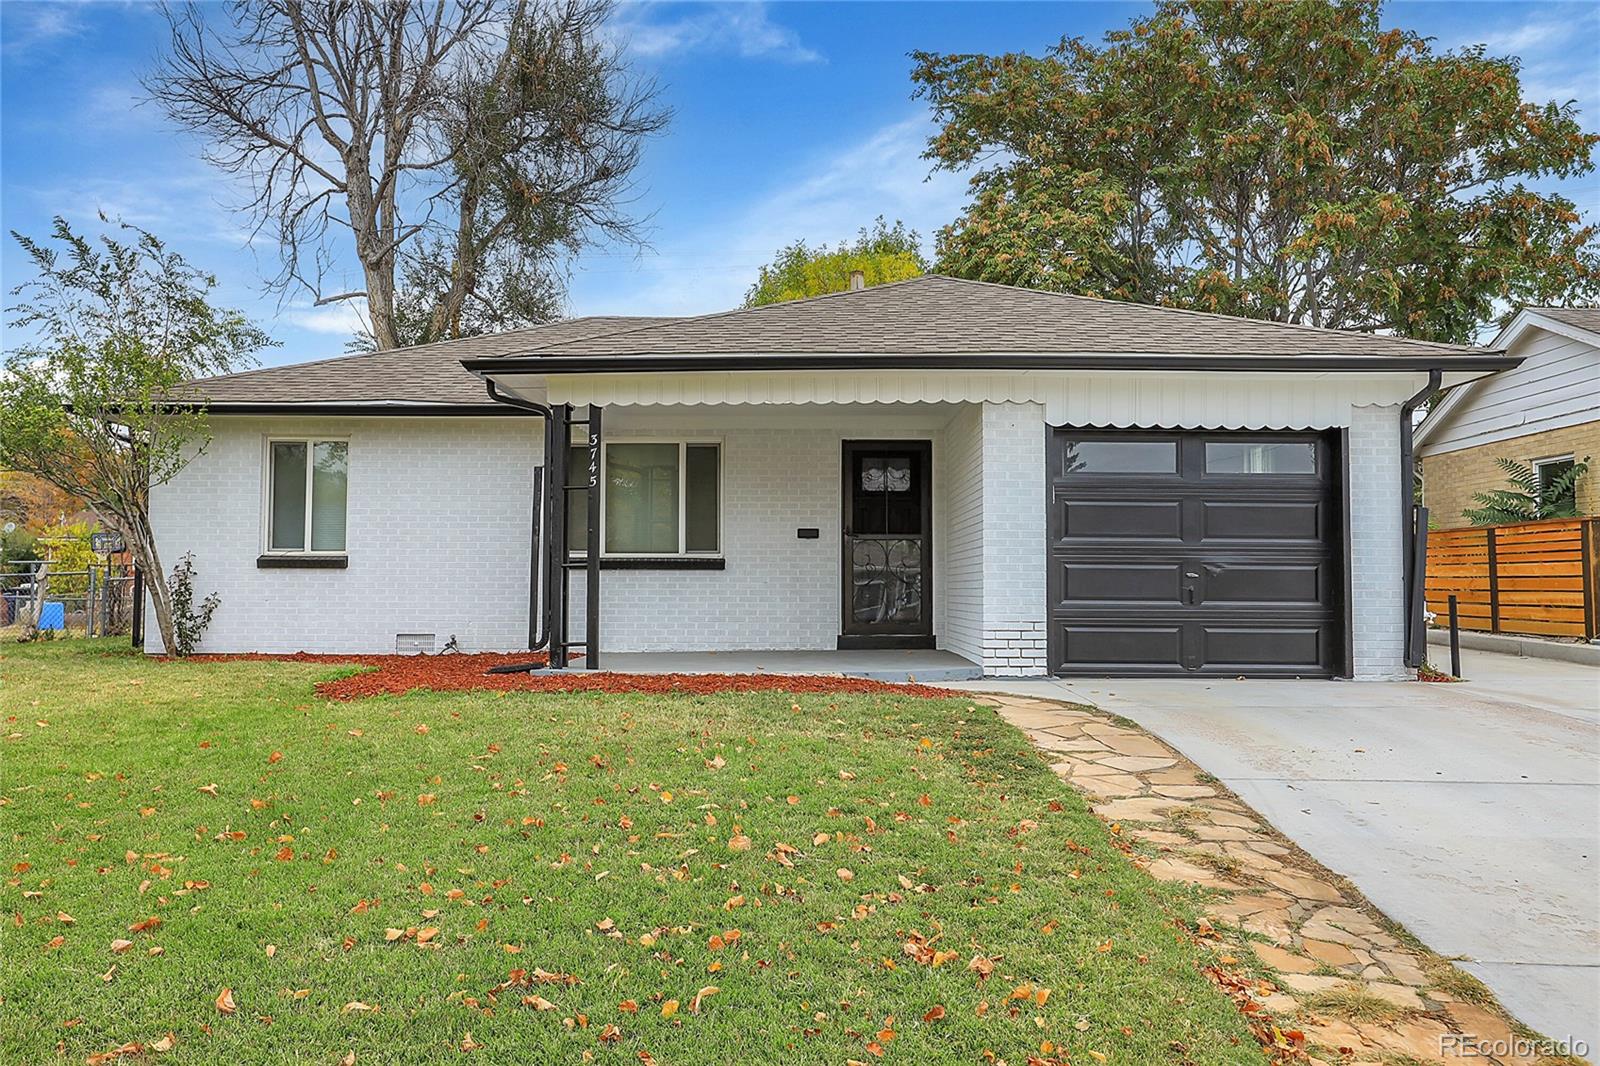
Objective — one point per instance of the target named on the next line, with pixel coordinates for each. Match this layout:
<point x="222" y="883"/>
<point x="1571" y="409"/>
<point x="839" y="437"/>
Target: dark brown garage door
<point x="1194" y="553"/>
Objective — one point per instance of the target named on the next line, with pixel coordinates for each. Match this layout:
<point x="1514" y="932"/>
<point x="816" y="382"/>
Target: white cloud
<point x="742" y="29"/>
<point x="343" y="319"/>
<point x="28" y="26"/>
<point x="881" y="174"/>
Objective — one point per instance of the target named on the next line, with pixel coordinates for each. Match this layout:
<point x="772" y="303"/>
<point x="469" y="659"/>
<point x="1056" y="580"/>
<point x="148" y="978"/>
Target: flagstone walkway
<point x="1332" y="980"/>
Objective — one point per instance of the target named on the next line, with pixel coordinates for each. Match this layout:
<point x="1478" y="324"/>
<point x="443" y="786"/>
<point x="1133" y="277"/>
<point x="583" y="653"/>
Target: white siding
<point x="1557" y="385"/>
<point x="437" y="534"/>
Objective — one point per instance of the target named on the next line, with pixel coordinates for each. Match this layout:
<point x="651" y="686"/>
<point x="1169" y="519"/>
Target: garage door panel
<point x="1093" y="582"/>
<point x="1122" y="519"/>
<point x="1267" y="583"/>
<point x="1227" y="647"/>
<point x="1258" y="520"/>
<point x="1181" y="571"/>
<point x="1111" y="645"/>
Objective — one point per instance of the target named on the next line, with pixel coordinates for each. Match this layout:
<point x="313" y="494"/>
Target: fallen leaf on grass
<point x="701" y="996"/>
<point x="739" y="842"/>
<point x="210" y="790"/>
<point x="131" y="1048"/>
<point x="120" y="945"/>
<point x="166" y="1043"/>
<point x="355" y="1006"/>
<point x="669" y="1008"/>
<point x="845" y="875"/>
<point x="469" y="1044"/>
<point x="934" y="1013"/>
<point x="225" y="1002"/>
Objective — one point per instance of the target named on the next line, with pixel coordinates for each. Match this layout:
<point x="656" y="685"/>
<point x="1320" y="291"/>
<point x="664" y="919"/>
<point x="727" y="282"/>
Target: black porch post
<point x="591" y="570"/>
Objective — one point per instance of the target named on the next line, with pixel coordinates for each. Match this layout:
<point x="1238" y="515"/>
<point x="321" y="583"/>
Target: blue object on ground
<point x="53" y="615"/>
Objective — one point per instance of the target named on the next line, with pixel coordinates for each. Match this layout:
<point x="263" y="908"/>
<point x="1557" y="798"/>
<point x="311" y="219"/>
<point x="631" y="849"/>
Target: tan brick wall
<point x="1450" y="478"/>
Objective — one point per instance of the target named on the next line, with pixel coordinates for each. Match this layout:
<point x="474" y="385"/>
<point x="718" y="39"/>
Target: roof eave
<point x="1487" y="361"/>
<point x="335" y="407"/>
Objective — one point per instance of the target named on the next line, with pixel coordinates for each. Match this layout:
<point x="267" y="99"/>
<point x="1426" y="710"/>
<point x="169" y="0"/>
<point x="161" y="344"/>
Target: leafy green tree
<point x="88" y="404"/>
<point x="1527" y="500"/>
<point x="69" y="550"/>
<point x="1284" y="160"/>
<point x="882" y="253"/>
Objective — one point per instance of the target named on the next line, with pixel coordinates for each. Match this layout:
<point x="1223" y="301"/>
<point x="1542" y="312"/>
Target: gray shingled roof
<point x="425" y="374"/>
<point x="934" y="314"/>
<point x="1582" y="317"/>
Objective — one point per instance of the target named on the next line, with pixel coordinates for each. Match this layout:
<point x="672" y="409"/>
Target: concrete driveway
<point x="1468" y="812"/>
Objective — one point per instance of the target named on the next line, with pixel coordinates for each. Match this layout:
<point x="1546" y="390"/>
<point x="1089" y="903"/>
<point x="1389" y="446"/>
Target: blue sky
<point x="792" y="120"/>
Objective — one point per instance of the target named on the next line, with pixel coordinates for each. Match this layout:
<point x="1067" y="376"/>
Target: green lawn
<point x="604" y="838"/>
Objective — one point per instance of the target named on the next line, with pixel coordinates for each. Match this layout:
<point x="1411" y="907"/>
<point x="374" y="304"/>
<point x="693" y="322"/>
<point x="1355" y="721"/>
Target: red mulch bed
<point x="398" y="674"/>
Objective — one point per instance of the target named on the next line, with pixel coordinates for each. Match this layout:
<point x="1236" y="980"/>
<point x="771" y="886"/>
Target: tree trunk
<point x="143" y="542"/>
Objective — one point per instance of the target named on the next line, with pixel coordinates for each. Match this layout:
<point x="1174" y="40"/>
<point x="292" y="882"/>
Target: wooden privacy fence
<point x="1532" y="577"/>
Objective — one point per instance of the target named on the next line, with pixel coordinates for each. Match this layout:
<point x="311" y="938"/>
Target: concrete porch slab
<point x="929" y="667"/>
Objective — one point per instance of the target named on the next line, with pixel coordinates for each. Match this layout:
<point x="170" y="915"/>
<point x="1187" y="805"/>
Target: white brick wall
<point x="781" y="471"/>
<point x="958" y="505"/>
<point x="1377" y="573"/>
<point x="1013" y="535"/>
<point x="438" y="535"/>
<point x="437" y="532"/>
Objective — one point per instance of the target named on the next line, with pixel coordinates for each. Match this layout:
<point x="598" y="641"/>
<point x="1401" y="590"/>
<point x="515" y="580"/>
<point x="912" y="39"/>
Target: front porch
<point x="890" y="541"/>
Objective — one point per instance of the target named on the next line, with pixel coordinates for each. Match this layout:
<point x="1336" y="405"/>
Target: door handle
<point x="1188" y="595"/>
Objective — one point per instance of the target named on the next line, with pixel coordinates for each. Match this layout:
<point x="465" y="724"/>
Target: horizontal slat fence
<point x="1533" y="577"/>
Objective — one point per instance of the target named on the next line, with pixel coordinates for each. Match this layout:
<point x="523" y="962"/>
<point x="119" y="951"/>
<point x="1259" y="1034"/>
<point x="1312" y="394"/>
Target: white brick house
<point x="1036" y="483"/>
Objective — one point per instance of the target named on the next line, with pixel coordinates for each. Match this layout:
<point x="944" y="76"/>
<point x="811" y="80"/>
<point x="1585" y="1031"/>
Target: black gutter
<point x="536" y="639"/>
<point x="636" y="364"/>
<point x="1413" y="524"/>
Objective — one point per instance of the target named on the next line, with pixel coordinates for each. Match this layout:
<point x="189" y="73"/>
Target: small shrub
<point x="1354" y="1002"/>
<point x="1527" y="500"/>
<point x="188" y="622"/>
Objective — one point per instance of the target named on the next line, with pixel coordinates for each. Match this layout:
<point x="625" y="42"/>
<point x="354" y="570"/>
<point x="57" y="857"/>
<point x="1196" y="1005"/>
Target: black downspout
<point x="1411" y="517"/>
<point x="541" y="520"/>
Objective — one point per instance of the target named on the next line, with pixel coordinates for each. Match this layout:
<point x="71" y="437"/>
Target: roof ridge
<point x="555" y="346"/>
<point x="671" y="320"/>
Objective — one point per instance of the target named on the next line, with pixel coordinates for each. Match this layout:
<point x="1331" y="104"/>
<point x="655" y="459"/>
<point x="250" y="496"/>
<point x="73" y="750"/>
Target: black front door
<point x="888" y="547"/>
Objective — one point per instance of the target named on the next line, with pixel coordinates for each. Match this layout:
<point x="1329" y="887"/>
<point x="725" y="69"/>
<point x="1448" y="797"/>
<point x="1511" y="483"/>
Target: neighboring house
<point x="1037" y="482"/>
<point x="1545" y="413"/>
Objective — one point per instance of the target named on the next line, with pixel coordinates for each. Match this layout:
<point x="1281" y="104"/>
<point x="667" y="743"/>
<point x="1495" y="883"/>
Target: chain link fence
<point x="36" y="600"/>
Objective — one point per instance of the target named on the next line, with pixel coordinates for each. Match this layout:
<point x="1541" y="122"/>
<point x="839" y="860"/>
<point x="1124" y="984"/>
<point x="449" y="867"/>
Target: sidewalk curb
<point x="1526" y="647"/>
